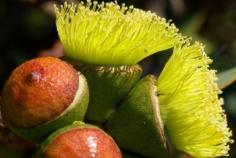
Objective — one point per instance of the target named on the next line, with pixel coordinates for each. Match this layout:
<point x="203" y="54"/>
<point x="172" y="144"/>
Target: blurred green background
<point x="27" y="30"/>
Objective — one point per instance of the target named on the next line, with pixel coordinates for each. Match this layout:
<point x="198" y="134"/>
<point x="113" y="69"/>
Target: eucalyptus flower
<point x="189" y="103"/>
<point x="109" y="40"/>
<point x="114" y="36"/>
<point x="109" y="34"/>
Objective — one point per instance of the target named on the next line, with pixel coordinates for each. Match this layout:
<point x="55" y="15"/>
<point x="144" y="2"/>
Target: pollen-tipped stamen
<point x="190" y="105"/>
<point x="110" y="34"/>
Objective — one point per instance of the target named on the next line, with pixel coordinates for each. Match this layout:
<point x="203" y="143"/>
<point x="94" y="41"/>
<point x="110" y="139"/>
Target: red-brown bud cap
<point x="80" y="141"/>
<point x="38" y="91"/>
<point x="42" y="96"/>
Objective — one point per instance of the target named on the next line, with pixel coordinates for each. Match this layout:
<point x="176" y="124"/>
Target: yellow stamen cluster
<point x="109" y="34"/>
<point x="191" y="109"/>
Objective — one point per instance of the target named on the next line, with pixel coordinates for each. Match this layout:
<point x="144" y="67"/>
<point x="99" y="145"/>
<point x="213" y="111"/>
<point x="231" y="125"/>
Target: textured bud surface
<point x="38" y="91"/>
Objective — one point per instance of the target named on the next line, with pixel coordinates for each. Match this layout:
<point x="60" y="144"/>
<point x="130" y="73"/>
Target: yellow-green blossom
<point x="190" y="106"/>
<point x="110" y="34"/>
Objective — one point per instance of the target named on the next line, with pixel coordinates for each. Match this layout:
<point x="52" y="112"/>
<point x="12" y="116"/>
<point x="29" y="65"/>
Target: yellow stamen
<point x="110" y="34"/>
<point x="190" y="106"/>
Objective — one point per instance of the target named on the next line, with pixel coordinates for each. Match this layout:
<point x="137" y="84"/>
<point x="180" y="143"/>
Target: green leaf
<point x="226" y="78"/>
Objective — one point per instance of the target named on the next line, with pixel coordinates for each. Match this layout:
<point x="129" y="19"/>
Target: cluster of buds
<point x="67" y="109"/>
